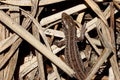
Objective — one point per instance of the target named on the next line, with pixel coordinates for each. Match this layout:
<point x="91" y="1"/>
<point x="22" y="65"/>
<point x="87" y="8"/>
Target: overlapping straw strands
<point x="30" y="29"/>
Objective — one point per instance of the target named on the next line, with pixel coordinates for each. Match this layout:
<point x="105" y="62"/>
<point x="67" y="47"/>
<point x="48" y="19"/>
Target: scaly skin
<point x="72" y="56"/>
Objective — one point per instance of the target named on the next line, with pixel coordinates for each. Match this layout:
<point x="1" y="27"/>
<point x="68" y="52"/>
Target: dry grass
<point x="29" y="29"/>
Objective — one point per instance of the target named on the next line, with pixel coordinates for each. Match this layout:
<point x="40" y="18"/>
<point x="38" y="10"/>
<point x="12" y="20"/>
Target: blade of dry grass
<point x="7" y="42"/>
<point x="9" y="53"/>
<point x="118" y="1"/>
<point x="116" y="4"/>
<point x="2" y="37"/>
<point x="100" y="61"/>
<point x="40" y="64"/>
<point x="57" y="16"/>
<point x="12" y="66"/>
<point x="97" y="10"/>
<point x="28" y="2"/>
<point x="93" y="45"/>
<point x="80" y="17"/>
<point x="39" y="28"/>
<point x="36" y="34"/>
<point x="111" y="75"/>
<point x="13" y="60"/>
<point x="27" y="67"/>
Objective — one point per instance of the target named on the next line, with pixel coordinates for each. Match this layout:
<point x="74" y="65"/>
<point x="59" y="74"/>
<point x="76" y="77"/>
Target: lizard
<point x="72" y="56"/>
